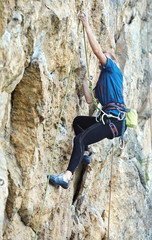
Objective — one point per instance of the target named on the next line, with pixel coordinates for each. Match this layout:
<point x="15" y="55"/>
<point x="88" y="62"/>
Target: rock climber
<point x="87" y="129"/>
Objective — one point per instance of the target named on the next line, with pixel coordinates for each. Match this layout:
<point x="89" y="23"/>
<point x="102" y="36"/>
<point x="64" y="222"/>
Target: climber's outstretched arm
<point x="92" y="40"/>
<point x="87" y="92"/>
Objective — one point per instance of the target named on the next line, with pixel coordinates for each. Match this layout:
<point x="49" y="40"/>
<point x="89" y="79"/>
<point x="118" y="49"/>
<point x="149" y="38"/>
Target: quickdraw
<point x="121" y="108"/>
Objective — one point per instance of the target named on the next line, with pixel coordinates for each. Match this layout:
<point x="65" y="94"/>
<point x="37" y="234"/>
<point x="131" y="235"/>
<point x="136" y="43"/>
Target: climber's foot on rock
<point x="86" y="158"/>
<point x="59" y="180"/>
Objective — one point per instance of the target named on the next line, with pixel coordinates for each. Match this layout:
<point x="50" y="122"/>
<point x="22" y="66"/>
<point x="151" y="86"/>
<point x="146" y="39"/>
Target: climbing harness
<point x="128" y="116"/>
<point x="121" y="108"/>
<point x="113" y="129"/>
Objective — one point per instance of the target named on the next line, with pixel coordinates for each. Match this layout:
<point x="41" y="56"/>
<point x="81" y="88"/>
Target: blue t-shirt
<point x="109" y="87"/>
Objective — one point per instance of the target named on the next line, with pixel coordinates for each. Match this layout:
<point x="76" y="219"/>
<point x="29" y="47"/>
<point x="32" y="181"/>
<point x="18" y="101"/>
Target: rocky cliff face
<point x="38" y="40"/>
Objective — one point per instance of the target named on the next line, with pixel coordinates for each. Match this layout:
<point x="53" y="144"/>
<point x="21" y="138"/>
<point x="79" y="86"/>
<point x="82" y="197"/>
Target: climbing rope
<point x="81" y="8"/>
<point x="57" y="130"/>
<point x="112" y="157"/>
<point x="111" y="172"/>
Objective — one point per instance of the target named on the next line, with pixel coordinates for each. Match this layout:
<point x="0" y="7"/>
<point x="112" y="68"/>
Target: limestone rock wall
<point x="37" y="43"/>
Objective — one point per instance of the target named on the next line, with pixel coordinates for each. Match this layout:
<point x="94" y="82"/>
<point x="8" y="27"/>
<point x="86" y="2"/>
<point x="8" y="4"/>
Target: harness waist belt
<point x="115" y="106"/>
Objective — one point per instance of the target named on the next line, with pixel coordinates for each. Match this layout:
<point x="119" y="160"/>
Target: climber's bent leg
<point x="93" y="134"/>
<point x="80" y="124"/>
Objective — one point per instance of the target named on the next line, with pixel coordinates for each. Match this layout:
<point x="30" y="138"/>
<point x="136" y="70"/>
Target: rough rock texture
<point x="37" y="43"/>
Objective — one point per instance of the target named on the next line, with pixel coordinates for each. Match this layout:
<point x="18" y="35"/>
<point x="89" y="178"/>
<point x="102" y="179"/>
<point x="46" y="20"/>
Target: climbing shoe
<point x="86" y="159"/>
<point x="58" y="180"/>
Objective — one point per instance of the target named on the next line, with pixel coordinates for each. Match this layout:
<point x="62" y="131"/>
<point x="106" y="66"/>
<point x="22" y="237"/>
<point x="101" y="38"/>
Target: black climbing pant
<point x="89" y="131"/>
